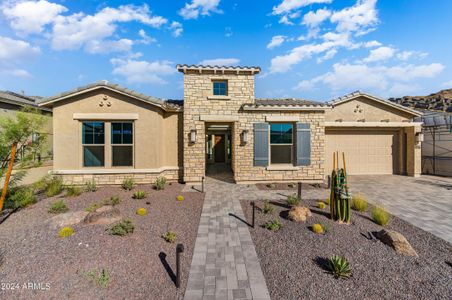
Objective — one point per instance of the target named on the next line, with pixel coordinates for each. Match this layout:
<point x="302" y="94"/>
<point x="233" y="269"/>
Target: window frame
<point x="93" y="144"/>
<point x="270" y="144"/>
<point x="112" y="145"/>
<point x="226" y="89"/>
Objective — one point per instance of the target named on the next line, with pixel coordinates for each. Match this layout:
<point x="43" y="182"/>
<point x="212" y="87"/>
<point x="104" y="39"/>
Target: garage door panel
<point x="366" y="152"/>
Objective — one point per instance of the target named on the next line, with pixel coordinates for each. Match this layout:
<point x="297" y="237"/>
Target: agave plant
<point x="339" y="267"/>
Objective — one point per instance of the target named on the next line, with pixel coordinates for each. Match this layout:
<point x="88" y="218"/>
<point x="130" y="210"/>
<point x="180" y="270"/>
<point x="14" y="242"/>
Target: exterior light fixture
<point x="244" y="136"/>
<point x="193" y="136"/>
<point x="419" y="138"/>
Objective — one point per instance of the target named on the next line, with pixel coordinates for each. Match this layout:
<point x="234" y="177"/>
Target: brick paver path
<point x="225" y="264"/>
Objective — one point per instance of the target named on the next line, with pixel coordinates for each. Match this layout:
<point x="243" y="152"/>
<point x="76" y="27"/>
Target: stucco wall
<point x="155" y="131"/>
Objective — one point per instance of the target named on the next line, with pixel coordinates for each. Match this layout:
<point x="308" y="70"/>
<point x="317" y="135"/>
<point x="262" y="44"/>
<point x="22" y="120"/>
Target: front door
<point x="219" y="148"/>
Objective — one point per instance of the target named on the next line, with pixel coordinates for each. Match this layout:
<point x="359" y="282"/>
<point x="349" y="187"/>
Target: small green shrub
<point x="380" y="216"/>
<point x="160" y="183"/>
<point x="113" y="201"/>
<point x="121" y="228"/>
<point x="55" y="187"/>
<point x="339" y="267"/>
<point x="90" y="186"/>
<point x="58" y="207"/>
<point x="128" y="184"/>
<point x="321" y="205"/>
<point x="65" y="232"/>
<point x="93" y="207"/>
<point x="291" y="185"/>
<point x="73" y="191"/>
<point x="20" y="197"/>
<point x="169" y="236"/>
<point x="41" y="185"/>
<point x="292" y="200"/>
<point x="317" y="228"/>
<point x="268" y="207"/>
<point x="359" y="203"/>
<point x="273" y="225"/>
<point x="271" y="185"/>
<point x="139" y="195"/>
<point x="101" y="279"/>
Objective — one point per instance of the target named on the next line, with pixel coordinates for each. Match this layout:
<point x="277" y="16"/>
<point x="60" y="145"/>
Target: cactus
<point x="339" y="195"/>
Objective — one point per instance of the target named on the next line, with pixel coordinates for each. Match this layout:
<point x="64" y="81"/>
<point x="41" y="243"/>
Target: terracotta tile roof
<point x="184" y="67"/>
<point x="288" y="102"/>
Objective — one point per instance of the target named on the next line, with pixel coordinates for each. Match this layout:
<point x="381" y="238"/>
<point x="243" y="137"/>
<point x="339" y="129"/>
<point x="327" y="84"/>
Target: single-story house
<point x="107" y="133"/>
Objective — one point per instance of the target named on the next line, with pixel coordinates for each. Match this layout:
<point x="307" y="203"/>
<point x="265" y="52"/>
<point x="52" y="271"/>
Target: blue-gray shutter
<point x="303" y="144"/>
<point x="261" y="144"/>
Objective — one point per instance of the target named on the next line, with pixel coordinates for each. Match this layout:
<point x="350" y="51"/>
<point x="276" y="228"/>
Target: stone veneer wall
<point x="198" y="88"/>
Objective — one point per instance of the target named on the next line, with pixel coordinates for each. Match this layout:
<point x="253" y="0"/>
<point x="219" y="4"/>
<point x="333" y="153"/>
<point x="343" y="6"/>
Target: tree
<point x="19" y="134"/>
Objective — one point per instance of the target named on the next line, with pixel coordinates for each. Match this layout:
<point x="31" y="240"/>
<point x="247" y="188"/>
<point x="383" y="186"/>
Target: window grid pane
<point x="122" y="156"/>
<point x="93" y="156"/>
<point x="121" y="133"/>
<point x="281" y="143"/>
<point x="93" y="133"/>
<point x="220" y="88"/>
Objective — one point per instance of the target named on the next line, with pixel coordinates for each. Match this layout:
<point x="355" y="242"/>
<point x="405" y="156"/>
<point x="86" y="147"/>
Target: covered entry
<point x="218" y="143"/>
<point x="368" y="151"/>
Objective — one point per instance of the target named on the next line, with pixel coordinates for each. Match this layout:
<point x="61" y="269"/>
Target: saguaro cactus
<point x="339" y="195"/>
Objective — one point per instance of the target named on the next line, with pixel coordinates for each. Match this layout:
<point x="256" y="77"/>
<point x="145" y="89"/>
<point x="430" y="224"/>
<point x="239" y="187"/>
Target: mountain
<point x="440" y="101"/>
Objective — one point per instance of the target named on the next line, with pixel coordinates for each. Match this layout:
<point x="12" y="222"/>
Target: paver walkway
<point x="225" y="264"/>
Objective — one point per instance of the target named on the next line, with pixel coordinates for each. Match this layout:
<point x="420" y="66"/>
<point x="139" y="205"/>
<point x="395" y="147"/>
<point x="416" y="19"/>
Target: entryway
<point x="219" y="151"/>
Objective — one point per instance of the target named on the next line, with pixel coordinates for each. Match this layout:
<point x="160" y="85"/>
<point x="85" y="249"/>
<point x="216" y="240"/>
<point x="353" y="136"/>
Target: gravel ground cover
<point x="288" y="186"/>
<point x="293" y="258"/>
<point x="140" y="265"/>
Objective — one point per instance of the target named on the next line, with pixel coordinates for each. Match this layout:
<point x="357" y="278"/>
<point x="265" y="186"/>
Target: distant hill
<point x="440" y="101"/>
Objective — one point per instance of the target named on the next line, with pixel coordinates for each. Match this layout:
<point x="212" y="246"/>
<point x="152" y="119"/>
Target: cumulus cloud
<point x="314" y="19"/>
<point x="14" y="53"/>
<point x="372" y="44"/>
<point x="31" y="16"/>
<point x="176" y="28"/>
<point x="145" y="39"/>
<point x="381" y="53"/>
<point x="276" y="41"/>
<point x="287" y="6"/>
<point x="196" y="8"/>
<point x="141" y="71"/>
<point x="328" y="55"/>
<point x="360" y="18"/>
<point x="107" y="46"/>
<point x="220" y="62"/>
<point x="406" y="55"/>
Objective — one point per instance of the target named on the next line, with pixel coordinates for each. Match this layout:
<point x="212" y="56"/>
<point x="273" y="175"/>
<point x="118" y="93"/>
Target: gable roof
<point x="18" y="99"/>
<point x="165" y="105"/>
<point x="357" y="94"/>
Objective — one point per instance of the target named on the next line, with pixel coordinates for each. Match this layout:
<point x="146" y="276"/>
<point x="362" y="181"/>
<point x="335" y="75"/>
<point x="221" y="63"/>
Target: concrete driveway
<point x="425" y="202"/>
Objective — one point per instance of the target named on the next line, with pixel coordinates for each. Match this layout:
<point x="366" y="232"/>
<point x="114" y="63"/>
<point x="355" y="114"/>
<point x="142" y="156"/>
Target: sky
<point x="311" y="49"/>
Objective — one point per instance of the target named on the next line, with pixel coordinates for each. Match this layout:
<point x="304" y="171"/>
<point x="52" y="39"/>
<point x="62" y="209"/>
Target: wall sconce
<point x="244" y="136"/>
<point x="193" y="136"/>
<point x="419" y="138"/>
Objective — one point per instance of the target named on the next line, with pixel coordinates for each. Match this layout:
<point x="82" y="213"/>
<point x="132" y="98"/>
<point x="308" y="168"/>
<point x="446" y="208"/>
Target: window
<point x="93" y="140"/>
<point x="122" y="144"/>
<point x="281" y="143"/>
<point x="220" y="88"/>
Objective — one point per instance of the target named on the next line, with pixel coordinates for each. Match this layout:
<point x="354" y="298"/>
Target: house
<point x="11" y="102"/>
<point x="107" y="133"/>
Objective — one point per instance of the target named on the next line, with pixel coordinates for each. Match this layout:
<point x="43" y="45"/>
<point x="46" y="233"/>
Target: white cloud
<point x="314" y="19"/>
<point x="228" y="32"/>
<point x="220" y="62"/>
<point x="328" y="55"/>
<point x="285" y="20"/>
<point x="141" y="71"/>
<point x="19" y="73"/>
<point x="145" y="39"/>
<point x="406" y="55"/>
<point x="31" y="16"/>
<point x="107" y="46"/>
<point x="304" y="85"/>
<point x="381" y="53"/>
<point x="199" y="7"/>
<point x="16" y="50"/>
<point x="360" y="18"/>
<point x="76" y="30"/>
<point x="372" y="44"/>
<point x="287" y="6"/>
<point x="276" y="41"/>
<point x="176" y="28"/>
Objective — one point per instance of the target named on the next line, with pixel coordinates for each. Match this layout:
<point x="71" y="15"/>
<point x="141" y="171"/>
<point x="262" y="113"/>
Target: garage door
<point x="366" y="151"/>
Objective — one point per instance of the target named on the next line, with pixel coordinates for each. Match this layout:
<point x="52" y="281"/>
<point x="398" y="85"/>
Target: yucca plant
<point x="273" y="225"/>
<point x="339" y="267"/>
<point x="139" y="195"/>
<point x="268" y="207"/>
<point x="292" y="200"/>
<point x="128" y="184"/>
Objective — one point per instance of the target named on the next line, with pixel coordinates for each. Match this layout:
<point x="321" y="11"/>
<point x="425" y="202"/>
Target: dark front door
<point x="219" y="148"/>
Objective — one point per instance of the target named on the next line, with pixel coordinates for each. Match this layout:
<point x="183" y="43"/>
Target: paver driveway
<point x="425" y="202"/>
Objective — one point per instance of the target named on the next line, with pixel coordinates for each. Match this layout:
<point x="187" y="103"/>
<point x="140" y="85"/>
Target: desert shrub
<point x="121" y="228"/>
<point x="41" y="185"/>
<point x="90" y="186"/>
<point x="273" y="225"/>
<point x="359" y="203"/>
<point x="101" y="279"/>
<point x="54" y="187"/>
<point x="380" y="216"/>
<point x="169" y="236"/>
<point x="93" y="207"/>
<point x="58" y="207"/>
<point x="291" y="185"/>
<point x="268" y="207"/>
<point x="339" y="267"/>
<point x="292" y="200"/>
<point x="317" y="228"/>
<point x="271" y="185"/>
<point x="321" y="205"/>
<point x="20" y="197"/>
<point x="65" y="232"/>
<point x="160" y="183"/>
<point x="142" y="211"/>
<point x="72" y="191"/>
<point x="128" y="184"/>
<point x="180" y="198"/>
<point x="113" y="201"/>
<point x="139" y="195"/>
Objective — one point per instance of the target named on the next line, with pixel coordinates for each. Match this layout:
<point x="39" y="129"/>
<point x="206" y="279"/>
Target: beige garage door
<point x="366" y="151"/>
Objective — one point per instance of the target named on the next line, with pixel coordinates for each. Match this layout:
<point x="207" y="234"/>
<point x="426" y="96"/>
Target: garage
<point x="367" y="151"/>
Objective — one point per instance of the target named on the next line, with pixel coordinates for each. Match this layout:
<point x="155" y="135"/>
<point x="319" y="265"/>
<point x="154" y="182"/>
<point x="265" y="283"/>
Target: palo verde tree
<point x="19" y="134"/>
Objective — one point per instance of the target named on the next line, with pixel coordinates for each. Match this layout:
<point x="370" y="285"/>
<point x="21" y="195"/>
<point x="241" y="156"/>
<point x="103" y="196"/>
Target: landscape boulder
<point x="104" y="215"/>
<point x="299" y="213"/>
<point x="397" y="241"/>
<point x="67" y="219"/>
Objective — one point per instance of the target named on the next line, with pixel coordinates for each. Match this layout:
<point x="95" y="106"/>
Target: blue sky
<point x="314" y="49"/>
